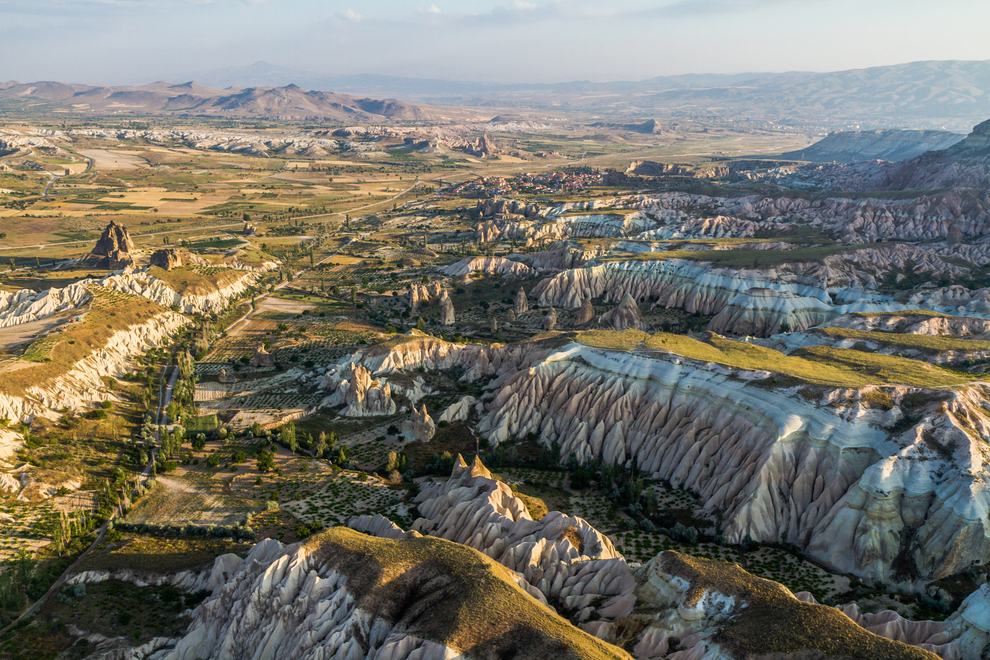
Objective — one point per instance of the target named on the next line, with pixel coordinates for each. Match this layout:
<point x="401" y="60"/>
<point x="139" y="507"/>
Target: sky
<point x="507" y="41"/>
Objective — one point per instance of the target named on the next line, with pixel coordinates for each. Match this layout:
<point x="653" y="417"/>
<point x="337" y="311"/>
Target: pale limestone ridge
<point x="489" y="265"/>
<point x="25" y="306"/>
<point x="830" y="477"/>
<point x="83" y="384"/>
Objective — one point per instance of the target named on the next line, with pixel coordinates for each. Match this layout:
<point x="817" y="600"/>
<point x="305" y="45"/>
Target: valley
<point x="475" y="386"/>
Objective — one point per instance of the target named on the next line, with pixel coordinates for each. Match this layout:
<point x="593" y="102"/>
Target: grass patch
<point x="159" y="554"/>
<point x="930" y="343"/>
<point x="749" y="258"/>
<point x="816" y="364"/>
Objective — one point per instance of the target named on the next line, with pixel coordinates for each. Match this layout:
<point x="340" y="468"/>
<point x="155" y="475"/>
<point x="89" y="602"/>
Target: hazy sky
<point x="117" y="41"/>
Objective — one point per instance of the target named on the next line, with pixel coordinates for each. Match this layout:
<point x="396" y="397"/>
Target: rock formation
<point x="446" y="309"/>
<point x="166" y="259"/>
<point x="365" y="396"/>
<point x="586" y="313"/>
<point x="262" y="358"/>
<point x="460" y="411"/>
<point x="739" y="447"/>
<point x="345" y="605"/>
<point x="25" y="306"/>
<point x="421" y="426"/>
<point x="705" y="605"/>
<point x="624" y="316"/>
<point x="499" y="265"/>
<point x="550" y="320"/>
<point x="521" y="305"/>
<point x="225" y="378"/>
<point x="510" y="317"/>
<point x="418" y="295"/>
<point x="113" y="249"/>
<point x="493" y="324"/>
<point x="84" y="383"/>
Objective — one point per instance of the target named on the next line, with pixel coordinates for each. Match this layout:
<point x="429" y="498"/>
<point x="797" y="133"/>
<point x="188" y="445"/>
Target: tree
<point x="421" y="324"/>
<point x="321" y="444"/>
<point x="266" y="461"/>
<point x="289" y="436"/>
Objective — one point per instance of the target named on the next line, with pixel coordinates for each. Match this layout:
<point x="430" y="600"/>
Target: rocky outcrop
<point x="365" y="396"/>
<point x="624" y="316"/>
<point x="563" y="557"/>
<point x="550" y="320"/>
<point x="146" y="285"/>
<point x="914" y="322"/>
<point x="346" y="604"/>
<point x="262" y="358"/>
<point x="446" y="309"/>
<point x="713" y="609"/>
<point x="489" y="265"/>
<point x="166" y="259"/>
<point x="113" y="249"/>
<point x="421" y="427"/>
<point x="586" y="313"/>
<point x="460" y="411"/>
<point x="709" y="609"/>
<point x="835" y="482"/>
<point x="764" y="312"/>
<point x="521" y="304"/>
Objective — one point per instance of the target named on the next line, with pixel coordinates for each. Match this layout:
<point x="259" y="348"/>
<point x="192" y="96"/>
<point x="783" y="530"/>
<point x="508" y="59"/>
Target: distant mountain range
<point x="290" y="102"/>
<point x="948" y="95"/>
<point x="937" y="95"/>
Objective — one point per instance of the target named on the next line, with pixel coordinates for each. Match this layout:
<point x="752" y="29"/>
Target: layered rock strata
<point x="834" y="479"/>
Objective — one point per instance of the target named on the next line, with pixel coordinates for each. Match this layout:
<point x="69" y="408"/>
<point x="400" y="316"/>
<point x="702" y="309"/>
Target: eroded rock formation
<point x="365" y="396"/>
<point x="446" y="309"/>
<point x="521" y="305"/>
<point x="113" y="249"/>
<point x="166" y="259"/>
<point x="624" y="316"/>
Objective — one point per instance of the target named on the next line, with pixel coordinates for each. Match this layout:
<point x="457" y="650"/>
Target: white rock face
<point x="830" y="478"/>
<point x="155" y="289"/>
<point x="766" y="312"/>
<point x="82" y="385"/>
<point x="25" y="306"/>
<point x="284" y="602"/>
<point x="499" y="265"/>
<point x="458" y="412"/>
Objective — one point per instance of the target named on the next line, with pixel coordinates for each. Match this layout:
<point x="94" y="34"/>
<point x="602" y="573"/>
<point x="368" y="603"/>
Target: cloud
<point x="349" y="15"/>
<point x="688" y="7"/>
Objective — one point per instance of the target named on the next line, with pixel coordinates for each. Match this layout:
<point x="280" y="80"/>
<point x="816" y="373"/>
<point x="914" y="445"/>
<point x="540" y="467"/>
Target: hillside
<point x="858" y="146"/>
<point x="192" y="99"/>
